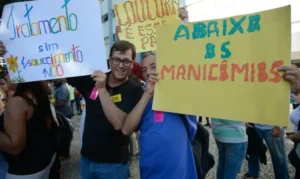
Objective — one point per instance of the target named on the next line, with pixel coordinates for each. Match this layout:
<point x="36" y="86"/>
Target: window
<point x="114" y="37"/>
<point x="104" y="18"/>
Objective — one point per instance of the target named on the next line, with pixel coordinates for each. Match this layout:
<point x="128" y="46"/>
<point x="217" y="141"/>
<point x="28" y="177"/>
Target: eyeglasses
<point x="117" y="61"/>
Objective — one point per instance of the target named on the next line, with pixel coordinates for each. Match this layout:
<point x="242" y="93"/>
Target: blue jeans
<point x="92" y="170"/>
<point x="231" y="156"/>
<point x="277" y="150"/>
<point x="3" y="166"/>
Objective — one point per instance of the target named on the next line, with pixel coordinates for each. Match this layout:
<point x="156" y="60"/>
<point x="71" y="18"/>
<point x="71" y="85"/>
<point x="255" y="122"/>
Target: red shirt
<point x="137" y="70"/>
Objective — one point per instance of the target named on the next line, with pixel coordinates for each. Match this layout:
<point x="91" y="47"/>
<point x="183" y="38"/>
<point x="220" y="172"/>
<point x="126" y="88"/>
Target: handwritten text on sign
<point x="138" y="20"/>
<point x="45" y="44"/>
<point x="226" y="68"/>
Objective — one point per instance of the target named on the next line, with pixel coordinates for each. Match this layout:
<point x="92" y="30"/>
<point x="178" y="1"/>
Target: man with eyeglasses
<point x="105" y="150"/>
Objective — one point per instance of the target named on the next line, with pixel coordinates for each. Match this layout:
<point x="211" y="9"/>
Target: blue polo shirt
<point x="165" y="146"/>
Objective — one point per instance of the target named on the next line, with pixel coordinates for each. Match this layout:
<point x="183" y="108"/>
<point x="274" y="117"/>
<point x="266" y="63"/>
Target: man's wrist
<point x="148" y="95"/>
<point x="102" y="90"/>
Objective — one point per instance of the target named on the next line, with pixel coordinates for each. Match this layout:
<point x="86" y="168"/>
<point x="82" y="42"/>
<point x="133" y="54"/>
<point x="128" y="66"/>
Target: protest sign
<point x="226" y="68"/>
<point x="52" y="39"/>
<point x="138" y="20"/>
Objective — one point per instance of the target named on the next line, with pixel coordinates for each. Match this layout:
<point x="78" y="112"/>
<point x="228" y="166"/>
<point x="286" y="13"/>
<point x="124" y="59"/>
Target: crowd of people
<point x="29" y="127"/>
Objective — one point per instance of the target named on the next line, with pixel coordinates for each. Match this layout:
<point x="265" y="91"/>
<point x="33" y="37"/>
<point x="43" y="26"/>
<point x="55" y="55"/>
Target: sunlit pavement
<point x="71" y="166"/>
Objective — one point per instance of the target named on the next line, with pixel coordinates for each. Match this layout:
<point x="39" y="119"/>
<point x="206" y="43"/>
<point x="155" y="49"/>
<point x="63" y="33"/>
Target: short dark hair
<point x="123" y="46"/>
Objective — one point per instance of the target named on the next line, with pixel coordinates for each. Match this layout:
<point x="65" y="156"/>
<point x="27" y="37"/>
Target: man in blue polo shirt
<point x="165" y="145"/>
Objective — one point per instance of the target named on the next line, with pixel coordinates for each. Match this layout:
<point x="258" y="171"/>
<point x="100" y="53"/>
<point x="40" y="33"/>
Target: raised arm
<point x="15" y="118"/>
<point x="295" y="137"/>
<point x="118" y="30"/>
<point x="134" y="117"/>
<point x="113" y="114"/>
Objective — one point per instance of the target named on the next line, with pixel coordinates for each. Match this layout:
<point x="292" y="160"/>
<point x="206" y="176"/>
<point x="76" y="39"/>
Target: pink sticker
<point x="158" y="116"/>
<point x="94" y="94"/>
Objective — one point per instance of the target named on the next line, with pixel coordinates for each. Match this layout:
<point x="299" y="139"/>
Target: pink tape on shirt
<point x="158" y="116"/>
<point x="94" y="94"/>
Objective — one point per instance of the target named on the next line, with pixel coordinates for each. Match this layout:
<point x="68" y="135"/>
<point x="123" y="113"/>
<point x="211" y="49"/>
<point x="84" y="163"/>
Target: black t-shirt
<point x="101" y="142"/>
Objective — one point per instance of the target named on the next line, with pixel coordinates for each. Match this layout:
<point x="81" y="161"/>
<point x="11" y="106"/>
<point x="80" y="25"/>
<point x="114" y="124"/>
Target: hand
<point x="291" y="74"/>
<point x="296" y="98"/>
<point x="2" y="49"/>
<point x="183" y="13"/>
<point x="118" y="30"/>
<point x="275" y="132"/>
<point x="248" y="125"/>
<point x="100" y="78"/>
<point x="291" y="137"/>
<point x="150" y="85"/>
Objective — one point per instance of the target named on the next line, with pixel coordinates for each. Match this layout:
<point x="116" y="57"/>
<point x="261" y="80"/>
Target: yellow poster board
<point x="138" y="20"/>
<point x="226" y="68"/>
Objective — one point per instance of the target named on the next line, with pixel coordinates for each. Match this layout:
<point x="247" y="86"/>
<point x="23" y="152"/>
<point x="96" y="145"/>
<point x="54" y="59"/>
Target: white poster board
<point x="53" y="39"/>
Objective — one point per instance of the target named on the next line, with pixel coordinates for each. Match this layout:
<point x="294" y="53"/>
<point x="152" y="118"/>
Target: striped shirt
<point x="228" y="131"/>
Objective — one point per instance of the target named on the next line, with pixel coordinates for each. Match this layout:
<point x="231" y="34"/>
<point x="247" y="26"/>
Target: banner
<point x="226" y="68"/>
<point x="52" y="39"/>
<point x="138" y="20"/>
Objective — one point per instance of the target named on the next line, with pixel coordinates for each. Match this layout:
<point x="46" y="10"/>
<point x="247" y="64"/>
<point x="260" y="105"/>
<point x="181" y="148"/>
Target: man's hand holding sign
<point x="100" y="78"/>
<point x="150" y="86"/>
<point x="291" y="74"/>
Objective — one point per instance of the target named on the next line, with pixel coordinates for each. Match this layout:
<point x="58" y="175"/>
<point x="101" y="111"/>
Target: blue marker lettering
<point x="237" y="26"/>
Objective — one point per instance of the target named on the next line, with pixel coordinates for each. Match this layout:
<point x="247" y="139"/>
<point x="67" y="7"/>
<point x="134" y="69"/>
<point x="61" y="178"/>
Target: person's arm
<point x="15" y="117"/>
<point x="295" y="137"/>
<point x="118" y="30"/>
<point x="83" y="84"/>
<point x="133" y="119"/>
<point x="113" y="114"/>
